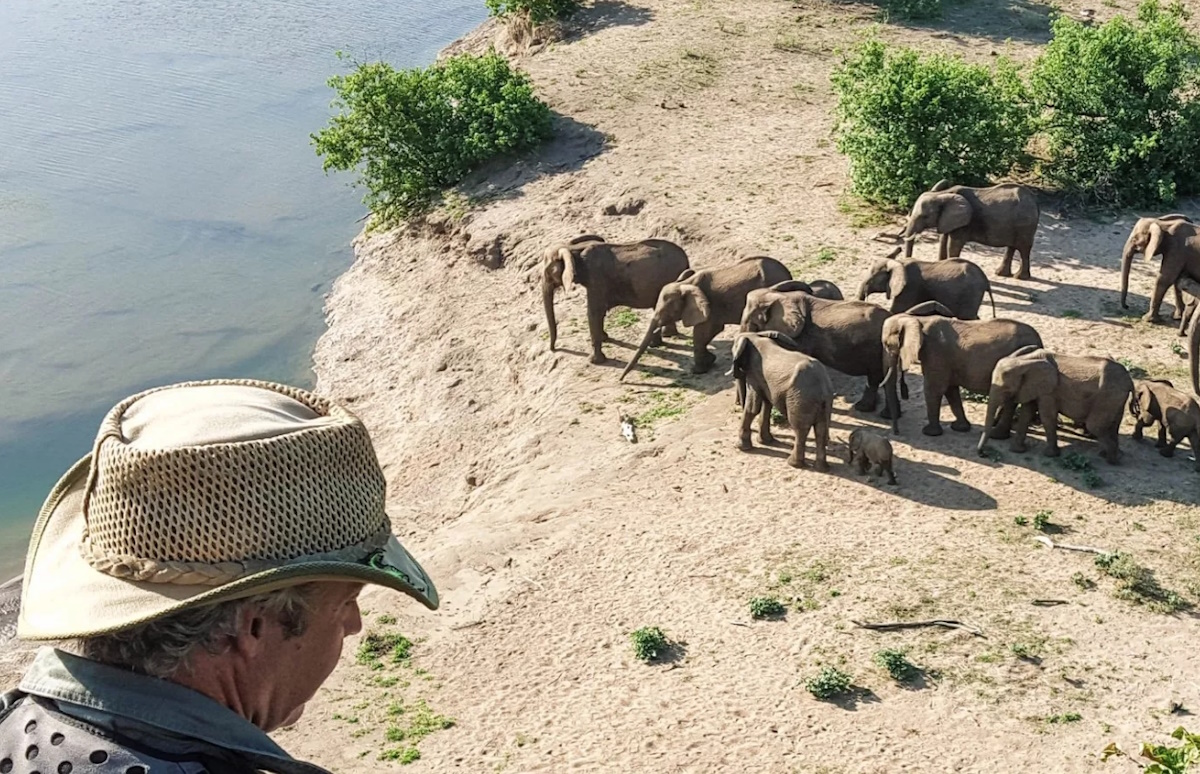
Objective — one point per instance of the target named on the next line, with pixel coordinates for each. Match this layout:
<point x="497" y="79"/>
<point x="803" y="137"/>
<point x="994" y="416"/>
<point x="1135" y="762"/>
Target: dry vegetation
<point x="552" y="538"/>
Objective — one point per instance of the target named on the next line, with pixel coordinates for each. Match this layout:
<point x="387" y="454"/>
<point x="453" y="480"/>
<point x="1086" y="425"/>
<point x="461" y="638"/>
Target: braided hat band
<point x="204" y="483"/>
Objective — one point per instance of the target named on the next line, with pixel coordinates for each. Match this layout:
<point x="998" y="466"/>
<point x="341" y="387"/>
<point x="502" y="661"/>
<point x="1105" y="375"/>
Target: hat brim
<point x="64" y="597"/>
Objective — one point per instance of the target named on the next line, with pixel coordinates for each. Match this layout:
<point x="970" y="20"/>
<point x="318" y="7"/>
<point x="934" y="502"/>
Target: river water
<point x="162" y="213"/>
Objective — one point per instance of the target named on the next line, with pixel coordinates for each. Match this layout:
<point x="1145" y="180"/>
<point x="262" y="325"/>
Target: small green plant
<point x="777" y="417"/>
<point x="375" y="646"/>
<point x="1041" y="520"/>
<point x="1020" y="521"/>
<point x="973" y="397"/>
<point x="896" y="663"/>
<point x="1083" y="581"/>
<point x="649" y="642"/>
<point x="385" y="620"/>
<point x="1072" y="314"/>
<point x="907" y="120"/>
<point x="402" y="755"/>
<point x="1083" y="466"/>
<point x="410" y="134"/>
<point x="1178" y="349"/>
<point x="1164" y="759"/>
<point x="538" y="11"/>
<point x="1026" y="650"/>
<point x="1135" y="370"/>
<point x="1137" y="584"/>
<point x="623" y="318"/>
<point x="825" y="255"/>
<point x="1064" y="718"/>
<point x="663" y="405"/>
<point x="766" y="607"/>
<point x="829" y="683"/>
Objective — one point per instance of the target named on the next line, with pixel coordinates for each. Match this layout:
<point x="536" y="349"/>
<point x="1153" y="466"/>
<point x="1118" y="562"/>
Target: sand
<point x="551" y="537"/>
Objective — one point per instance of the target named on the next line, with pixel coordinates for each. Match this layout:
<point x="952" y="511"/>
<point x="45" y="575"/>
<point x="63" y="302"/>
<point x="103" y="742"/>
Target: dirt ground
<point x="551" y="537"/>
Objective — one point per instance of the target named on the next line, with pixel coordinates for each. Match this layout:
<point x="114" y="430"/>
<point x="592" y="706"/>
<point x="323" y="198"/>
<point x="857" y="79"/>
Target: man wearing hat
<point x="200" y="570"/>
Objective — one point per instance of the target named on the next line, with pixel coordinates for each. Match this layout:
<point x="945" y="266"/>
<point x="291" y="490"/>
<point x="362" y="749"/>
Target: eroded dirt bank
<point x="551" y="537"/>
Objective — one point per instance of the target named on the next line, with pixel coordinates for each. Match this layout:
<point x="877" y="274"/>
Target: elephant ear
<point x="910" y="341"/>
<point x="789" y="314"/>
<point x="568" y="273"/>
<point x="695" y="306"/>
<point x="688" y="272"/>
<point x="740" y="343"/>
<point x="1154" y="243"/>
<point x="941" y="185"/>
<point x="954" y="212"/>
<point x="897" y="277"/>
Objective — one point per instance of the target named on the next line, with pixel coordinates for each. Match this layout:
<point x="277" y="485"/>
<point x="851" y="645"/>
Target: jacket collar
<point x="162" y="705"/>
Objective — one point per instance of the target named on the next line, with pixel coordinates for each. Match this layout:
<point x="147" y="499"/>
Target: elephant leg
<point x="1022" y="428"/>
<point x="1025" y="273"/>
<point x="797" y="458"/>
<point x="750" y="408"/>
<point x="863" y="463"/>
<point x="703" y="360"/>
<point x="870" y="397"/>
<point x="960" y="424"/>
<point x="943" y="244"/>
<point x="891" y="474"/>
<point x="821" y="440"/>
<point x="933" y="409"/>
<point x="1138" y="425"/>
<point x="1108" y="442"/>
<point x="1162" y="437"/>
<point x="1002" y="430"/>
<point x="1048" y="407"/>
<point x="1161" y="286"/>
<point x="1168" y="449"/>
<point x="595" y="315"/>
<point x="669" y="331"/>
<point x="1194" y="442"/>
<point x="1006" y="265"/>
<point x="765" y="436"/>
<point x="1178" y="313"/>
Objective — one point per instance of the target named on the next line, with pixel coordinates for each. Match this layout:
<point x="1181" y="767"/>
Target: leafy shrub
<point x="1041" y="520"/>
<point x="828" y="683"/>
<point x="648" y="643"/>
<point x="1166" y="760"/>
<point x="1137" y="584"/>
<point x="1123" y="107"/>
<point x="375" y="646"/>
<point x="907" y="120"/>
<point x="412" y="133"/>
<point x="766" y="607"/>
<point x="539" y="11"/>
<point x="896" y="663"/>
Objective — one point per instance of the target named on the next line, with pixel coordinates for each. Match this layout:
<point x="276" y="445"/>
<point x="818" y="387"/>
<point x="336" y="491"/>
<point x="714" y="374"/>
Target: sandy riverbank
<point x="551" y="538"/>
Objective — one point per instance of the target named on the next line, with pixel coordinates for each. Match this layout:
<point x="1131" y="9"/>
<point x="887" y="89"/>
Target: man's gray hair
<point x="162" y="647"/>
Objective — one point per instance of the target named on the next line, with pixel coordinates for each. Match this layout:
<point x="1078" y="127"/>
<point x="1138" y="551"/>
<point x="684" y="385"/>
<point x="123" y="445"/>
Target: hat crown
<point x="205" y="482"/>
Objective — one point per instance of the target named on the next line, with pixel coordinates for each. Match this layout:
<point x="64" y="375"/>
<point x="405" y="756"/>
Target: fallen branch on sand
<point x="1084" y="549"/>
<point x="891" y="627"/>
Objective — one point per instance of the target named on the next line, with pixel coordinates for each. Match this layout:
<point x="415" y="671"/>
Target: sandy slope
<point x="551" y="538"/>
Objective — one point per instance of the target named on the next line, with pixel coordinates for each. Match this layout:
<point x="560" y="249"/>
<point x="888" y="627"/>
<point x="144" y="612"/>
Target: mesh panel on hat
<point x="312" y="491"/>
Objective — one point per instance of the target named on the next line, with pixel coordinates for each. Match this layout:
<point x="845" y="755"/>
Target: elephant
<point x="1090" y="390"/>
<point x="871" y="449"/>
<point x="1003" y="215"/>
<point x="1178" y="240"/>
<point x="819" y="288"/>
<point x="707" y="301"/>
<point x="1176" y="412"/>
<point x="613" y="274"/>
<point x="770" y="371"/>
<point x="953" y="354"/>
<point x="844" y="335"/>
<point x="956" y="284"/>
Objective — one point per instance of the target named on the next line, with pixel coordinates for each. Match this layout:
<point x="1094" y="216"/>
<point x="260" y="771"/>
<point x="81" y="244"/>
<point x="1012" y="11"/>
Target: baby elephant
<point x="871" y="449"/>
<point x="771" y="372"/>
<point x="1156" y="400"/>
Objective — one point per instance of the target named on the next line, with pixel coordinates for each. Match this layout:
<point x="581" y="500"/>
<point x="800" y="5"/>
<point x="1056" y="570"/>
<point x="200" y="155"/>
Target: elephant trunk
<point x="893" y="373"/>
<point x="863" y="292"/>
<point x="989" y="421"/>
<point x="548" y="304"/>
<point x="650" y="329"/>
<point x="1126" y="264"/>
<point x="908" y="245"/>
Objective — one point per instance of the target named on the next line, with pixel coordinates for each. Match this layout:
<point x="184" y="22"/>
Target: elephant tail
<point x="992" y="299"/>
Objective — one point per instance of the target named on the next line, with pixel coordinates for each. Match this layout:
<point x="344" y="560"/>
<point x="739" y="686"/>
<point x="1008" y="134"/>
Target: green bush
<point x="1122" y="102"/>
<point x="539" y="11"/>
<point x="649" y="642"/>
<point x="1164" y="759"/>
<point x="896" y="663"/>
<point x="766" y="607"/>
<point x="410" y="134"/>
<point x="828" y="683"/>
<point x="906" y="121"/>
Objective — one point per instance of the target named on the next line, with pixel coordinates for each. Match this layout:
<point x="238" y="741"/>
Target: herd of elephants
<point x="792" y="331"/>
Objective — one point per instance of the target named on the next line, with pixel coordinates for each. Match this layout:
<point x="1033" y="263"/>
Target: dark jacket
<point x="72" y="710"/>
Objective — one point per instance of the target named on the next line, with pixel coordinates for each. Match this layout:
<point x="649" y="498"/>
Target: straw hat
<point x="204" y="492"/>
